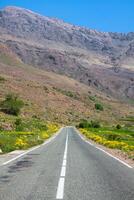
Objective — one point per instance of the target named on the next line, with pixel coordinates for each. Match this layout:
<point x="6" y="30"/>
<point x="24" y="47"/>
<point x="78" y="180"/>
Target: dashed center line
<point x="64" y="162"/>
<point x="63" y="171"/>
<point x="60" y="189"/>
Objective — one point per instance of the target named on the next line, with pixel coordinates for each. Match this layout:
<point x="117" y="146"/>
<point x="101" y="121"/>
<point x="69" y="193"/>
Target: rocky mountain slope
<point x="103" y="61"/>
<point x="44" y="92"/>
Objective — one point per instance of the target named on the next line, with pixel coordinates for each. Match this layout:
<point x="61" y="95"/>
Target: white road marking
<point x="64" y="163"/>
<point x="65" y="152"/>
<point x="60" y="189"/>
<point x="84" y="138"/>
<point x="63" y="171"/>
<point x="121" y="161"/>
<point x="21" y="155"/>
<point x="89" y="142"/>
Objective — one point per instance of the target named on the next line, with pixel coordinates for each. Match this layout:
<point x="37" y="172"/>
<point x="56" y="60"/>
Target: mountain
<point x="54" y="97"/>
<point x="103" y="61"/>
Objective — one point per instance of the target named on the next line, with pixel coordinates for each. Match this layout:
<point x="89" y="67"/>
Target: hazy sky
<point x="104" y="15"/>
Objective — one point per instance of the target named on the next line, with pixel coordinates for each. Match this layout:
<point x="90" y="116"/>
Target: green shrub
<point x="70" y="94"/>
<point x="2" y="79"/>
<point x="18" y="121"/>
<point x="84" y="124"/>
<point x="95" y="124"/>
<point x="99" y="106"/>
<point x="92" y="98"/>
<point x="81" y="125"/>
<point x="113" y="136"/>
<point x="67" y="93"/>
<point x="12" y="104"/>
<point x="19" y="125"/>
<point x="7" y="148"/>
<point x="118" y="126"/>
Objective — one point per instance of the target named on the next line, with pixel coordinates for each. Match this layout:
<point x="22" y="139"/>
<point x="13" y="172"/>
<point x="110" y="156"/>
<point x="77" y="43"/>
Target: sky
<point x="102" y="15"/>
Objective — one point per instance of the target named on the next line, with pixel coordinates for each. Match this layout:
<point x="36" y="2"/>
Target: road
<point x="66" y="168"/>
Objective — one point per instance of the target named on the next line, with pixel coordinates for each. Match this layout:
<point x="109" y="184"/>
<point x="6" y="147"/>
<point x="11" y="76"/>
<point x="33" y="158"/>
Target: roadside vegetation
<point x="25" y="134"/>
<point x="18" y="132"/>
<point x="117" y="137"/>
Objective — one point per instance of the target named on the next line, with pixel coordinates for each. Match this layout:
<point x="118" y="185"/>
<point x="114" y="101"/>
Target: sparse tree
<point x="12" y="104"/>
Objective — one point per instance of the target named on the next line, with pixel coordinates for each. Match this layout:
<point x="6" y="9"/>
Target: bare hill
<point x="101" y="60"/>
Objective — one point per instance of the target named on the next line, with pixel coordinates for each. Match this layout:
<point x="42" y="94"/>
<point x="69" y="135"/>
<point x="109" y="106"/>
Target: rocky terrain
<point x="100" y="60"/>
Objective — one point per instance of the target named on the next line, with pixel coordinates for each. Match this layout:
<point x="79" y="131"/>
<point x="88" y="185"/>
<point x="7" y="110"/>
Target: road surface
<point x="66" y="168"/>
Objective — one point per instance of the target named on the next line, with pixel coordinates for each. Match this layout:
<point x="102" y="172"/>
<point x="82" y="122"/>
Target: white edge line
<point x="21" y="155"/>
<point x="60" y="191"/>
<point x="121" y="161"/>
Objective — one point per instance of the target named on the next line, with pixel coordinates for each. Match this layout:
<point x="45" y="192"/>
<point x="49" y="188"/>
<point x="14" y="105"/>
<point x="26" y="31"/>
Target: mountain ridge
<point x="9" y="8"/>
<point x="103" y="60"/>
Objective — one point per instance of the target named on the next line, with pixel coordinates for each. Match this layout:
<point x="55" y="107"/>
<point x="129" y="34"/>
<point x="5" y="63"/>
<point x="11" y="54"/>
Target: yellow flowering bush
<point x="25" y="133"/>
<point x="12" y="140"/>
<point x="114" y="144"/>
<point x="108" y="143"/>
<point x="44" y="135"/>
<point x="52" y="127"/>
<point x="84" y="132"/>
<point x="20" y="143"/>
<point x="128" y="148"/>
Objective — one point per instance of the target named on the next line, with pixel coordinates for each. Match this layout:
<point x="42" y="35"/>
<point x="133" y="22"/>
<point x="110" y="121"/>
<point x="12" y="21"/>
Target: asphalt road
<point x="66" y="168"/>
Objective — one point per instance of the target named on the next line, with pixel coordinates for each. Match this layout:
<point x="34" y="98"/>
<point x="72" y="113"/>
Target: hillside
<point x="103" y="61"/>
<point x="55" y="97"/>
<point x="61" y="79"/>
